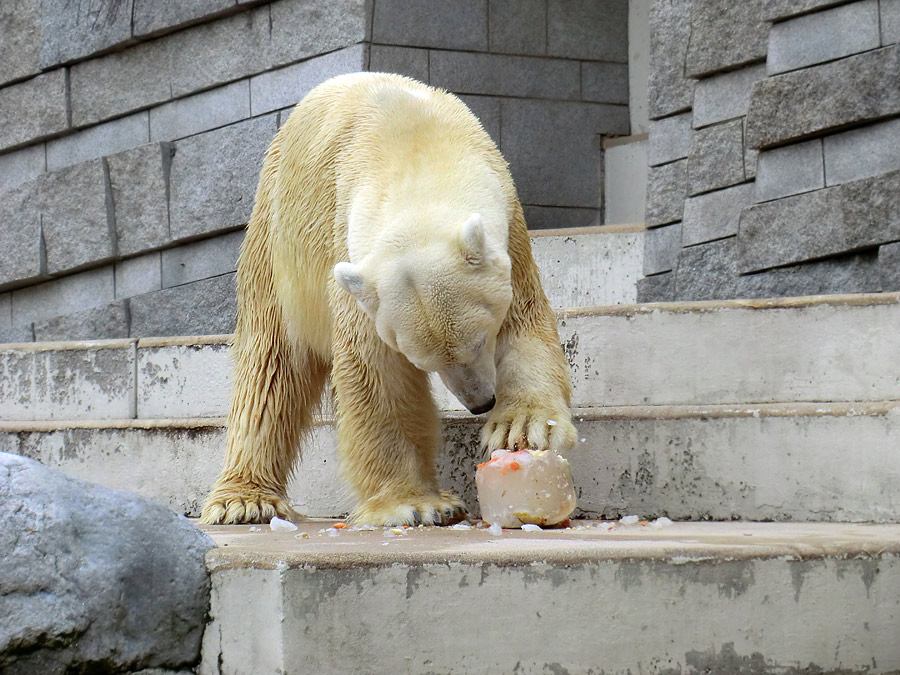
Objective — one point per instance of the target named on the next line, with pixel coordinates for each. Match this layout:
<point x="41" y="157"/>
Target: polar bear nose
<point x="484" y="407"/>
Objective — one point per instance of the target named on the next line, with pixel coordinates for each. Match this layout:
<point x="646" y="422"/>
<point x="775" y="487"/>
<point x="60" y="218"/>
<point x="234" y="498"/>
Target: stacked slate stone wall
<point x="774" y="149"/>
<point x="132" y="133"/>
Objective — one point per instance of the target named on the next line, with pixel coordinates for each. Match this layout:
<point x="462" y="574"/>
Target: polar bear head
<point x="441" y="304"/>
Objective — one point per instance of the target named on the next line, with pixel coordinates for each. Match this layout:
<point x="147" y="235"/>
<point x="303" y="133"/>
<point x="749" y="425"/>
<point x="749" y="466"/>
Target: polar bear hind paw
<point x="233" y="504"/>
<point x="443" y="508"/>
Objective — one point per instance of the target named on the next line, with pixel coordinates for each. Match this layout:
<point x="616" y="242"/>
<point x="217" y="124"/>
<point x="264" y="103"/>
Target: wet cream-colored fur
<point x="386" y="240"/>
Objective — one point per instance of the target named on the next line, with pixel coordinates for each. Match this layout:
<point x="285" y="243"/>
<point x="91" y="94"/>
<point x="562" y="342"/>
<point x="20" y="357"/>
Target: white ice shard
<point x="526" y="486"/>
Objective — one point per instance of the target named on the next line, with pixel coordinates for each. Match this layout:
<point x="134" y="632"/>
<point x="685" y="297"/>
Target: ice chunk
<point x="531" y="527"/>
<point x="255" y="529"/>
<point x="660" y="523"/>
<point x="461" y="526"/>
<point x="495" y="529"/>
<point x="280" y="525"/>
<point x="525" y="486"/>
<point x="629" y="520"/>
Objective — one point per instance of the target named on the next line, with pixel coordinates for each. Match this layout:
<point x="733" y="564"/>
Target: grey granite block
<point x="823" y="36"/>
<point x="861" y="153"/>
<point x="206" y="307"/>
<point x="553" y="217"/>
<point x="666" y="192"/>
<point x="726" y="96"/>
<point x="5" y="311"/>
<point x="20" y="235"/>
<point x="74" y="30"/>
<point x="518" y="26"/>
<point x="889" y="264"/>
<point x="776" y="10"/>
<point x="588" y="29"/>
<point x="604" y="82"/>
<point x="502" y="75"/>
<point x="67" y="294"/>
<point x="656" y="288"/>
<point x="97" y="323"/>
<point x="827" y="96"/>
<point x="139" y="183"/>
<point x="286" y="86"/>
<point x="725" y="35"/>
<point x="214" y="175"/>
<point x="670" y="139"/>
<point x="408" y="61"/>
<point x="487" y="110"/>
<point x="96" y="141"/>
<point x="33" y="109"/>
<point x="111" y="85"/>
<point x="77" y="216"/>
<point x="308" y="28"/>
<point x="670" y="91"/>
<point x="710" y="272"/>
<point x="661" y="248"/>
<point x="20" y="47"/>
<point x="201" y="112"/>
<point x="201" y="259"/>
<point x="717" y="157"/>
<point x="22" y="165"/>
<point x="790" y="170"/>
<point x="715" y="215"/>
<point x="856" y="215"/>
<point x="553" y="148"/>
<point x="17" y="334"/>
<point x="461" y="24"/>
<point x="139" y="275"/>
<point x="890" y="21"/>
<point x="153" y="17"/>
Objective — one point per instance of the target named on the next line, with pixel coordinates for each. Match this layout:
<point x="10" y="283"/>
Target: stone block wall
<point x="774" y="149"/>
<point x="132" y="133"/>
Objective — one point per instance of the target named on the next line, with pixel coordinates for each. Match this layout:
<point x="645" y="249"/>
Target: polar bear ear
<point x="351" y="279"/>
<point x="472" y="239"/>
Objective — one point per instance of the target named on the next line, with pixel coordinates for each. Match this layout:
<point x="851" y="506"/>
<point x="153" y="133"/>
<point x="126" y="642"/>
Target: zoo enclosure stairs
<point x="782" y="410"/>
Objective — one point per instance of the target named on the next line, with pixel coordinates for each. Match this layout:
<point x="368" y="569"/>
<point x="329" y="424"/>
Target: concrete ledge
<point x="760" y="462"/>
<point x="759" y="597"/>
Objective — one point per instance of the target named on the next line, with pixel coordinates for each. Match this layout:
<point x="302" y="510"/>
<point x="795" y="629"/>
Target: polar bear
<point x="386" y="242"/>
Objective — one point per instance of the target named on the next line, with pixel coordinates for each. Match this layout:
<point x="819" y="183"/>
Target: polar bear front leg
<point x="533" y="390"/>
<point x="388" y="433"/>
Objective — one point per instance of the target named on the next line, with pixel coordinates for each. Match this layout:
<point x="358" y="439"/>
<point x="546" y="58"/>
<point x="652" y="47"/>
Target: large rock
<point x="94" y="580"/>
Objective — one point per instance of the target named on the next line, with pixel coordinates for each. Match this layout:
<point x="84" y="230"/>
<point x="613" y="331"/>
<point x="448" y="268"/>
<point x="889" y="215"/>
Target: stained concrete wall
<point x="132" y="132"/>
<point x="774" y="155"/>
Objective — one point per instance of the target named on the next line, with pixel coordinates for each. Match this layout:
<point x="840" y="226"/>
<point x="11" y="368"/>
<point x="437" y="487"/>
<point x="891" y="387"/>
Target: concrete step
<point x="687" y="598"/>
<point x="797" y="461"/>
<point x="825" y="348"/>
<point x="590" y="266"/>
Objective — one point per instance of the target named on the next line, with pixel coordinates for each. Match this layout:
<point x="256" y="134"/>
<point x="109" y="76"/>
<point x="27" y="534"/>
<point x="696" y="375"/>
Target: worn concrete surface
<point x="688" y="598"/>
<point x="769" y="462"/>
<point x="821" y="348"/>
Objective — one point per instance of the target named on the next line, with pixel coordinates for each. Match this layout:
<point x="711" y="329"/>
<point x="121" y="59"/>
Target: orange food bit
<point x="340" y="526"/>
<point x="514" y="466"/>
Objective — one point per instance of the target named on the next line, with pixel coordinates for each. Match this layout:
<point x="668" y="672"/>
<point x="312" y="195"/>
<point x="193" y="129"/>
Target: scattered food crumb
<point x="340" y="526"/>
<point x="280" y="525"/>
<point x="255" y="529"/>
<point x="304" y="535"/>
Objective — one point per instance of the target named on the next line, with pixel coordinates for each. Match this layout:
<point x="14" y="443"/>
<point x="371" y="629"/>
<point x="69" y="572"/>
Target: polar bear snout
<point x="486" y="407"/>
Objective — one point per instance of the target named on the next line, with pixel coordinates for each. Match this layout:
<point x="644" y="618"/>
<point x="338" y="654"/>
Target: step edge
<point x="675" y="545"/>
<point x="612" y="228"/>
<point x="625" y="310"/>
<point x="799" y="409"/>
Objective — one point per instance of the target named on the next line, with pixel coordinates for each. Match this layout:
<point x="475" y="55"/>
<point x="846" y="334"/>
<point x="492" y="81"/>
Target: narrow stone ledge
<point x="829" y="96"/>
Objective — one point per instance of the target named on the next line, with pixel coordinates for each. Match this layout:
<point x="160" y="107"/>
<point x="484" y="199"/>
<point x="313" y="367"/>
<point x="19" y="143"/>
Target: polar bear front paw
<point x="544" y="429"/>
<point x="443" y="508"/>
<point x="235" y="503"/>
